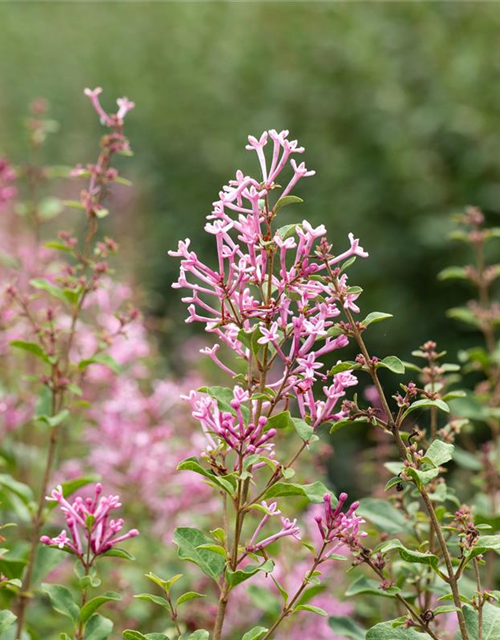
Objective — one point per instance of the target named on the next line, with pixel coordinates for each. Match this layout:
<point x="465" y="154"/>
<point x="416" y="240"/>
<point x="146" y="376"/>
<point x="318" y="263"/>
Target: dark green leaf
<point x="32" y="347"/>
<point x="255" y="633"/>
<point x="313" y="492"/>
<point x="188" y="539"/>
<point x="92" y="605"/>
<point x="438" y="453"/>
<point x="346" y="628"/>
<point x="235" y="578"/>
<point x="62" y="600"/>
<point x="283" y="202"/>
<point x="311" y="608"/>
<point x="98" y="628"/>
<point x="393" y="363"/>
<point x="409" y="555"/>
<point x="375" y="316"/>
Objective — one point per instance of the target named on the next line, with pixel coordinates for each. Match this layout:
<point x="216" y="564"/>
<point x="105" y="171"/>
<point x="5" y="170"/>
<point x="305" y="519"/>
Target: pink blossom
<point x="91" y="529"/>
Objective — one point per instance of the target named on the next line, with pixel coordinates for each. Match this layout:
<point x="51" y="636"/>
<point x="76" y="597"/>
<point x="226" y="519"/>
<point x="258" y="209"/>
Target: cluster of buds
<point x="91" y="531"/>
<point x="7" y="176"/>
<point x="411" y="392"/>
<point x="288" y="528"/>
<point x="235" y="429"/>
<point x="340" y="529"/>
<point x="464" y="524"/>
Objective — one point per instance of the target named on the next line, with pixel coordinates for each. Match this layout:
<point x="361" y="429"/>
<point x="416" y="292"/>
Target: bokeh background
<point x="397" y="104"/>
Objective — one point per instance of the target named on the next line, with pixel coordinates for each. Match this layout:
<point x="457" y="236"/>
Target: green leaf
<point x="311" y="608"/>
<point x="32" y="347"/>
<point x="62" y="600"/>
<point x="464" y="315"/>
<point x="46" y="560"/>
<point x="422" y="477"/>
<point x="385" y="631"/>
<point x="255" y="633"/>
<point x="92" y="605"/>
<point x="74" y="204"/>
<point x="116" y="552"/>
<point x="304" y="430"/>
<point x="375" y="316"/>
<point x="151" y="597"/>
<point x="445" y="608"/>
<point x="393" y="363"/>
<point x="491" y="622"/>
<point x="199" y="634"/>
<point x="101" y="358"/>
<point x="19" y="489"/>
<point x="346" y="628"/>
<point x="53" y="421"/>
<point x="216" y="548"/>
<point x="281" y="420"/>
<point x="284" y="202"/>
<point x="340" y="424"/>
<point x="313" y="492"/>
<point x="166" y="585"/>
<point x="45" y="285"/>
<point x="392" y="483"/>
<point x="235" y="578"/>
<point x="98" y="628"/>
<point x="452" y="273"/>
<point x="423" y="404"/>
<point x="343" y="366"/>
<point x="383" y="515"/>
<point x="409" y="555"/>
<point x="438" y="453"/>
<point x="7" y="619"/>
<point x="59" y="246"/>
<point x="12" y="567"/>
<point x="188" y="539"/>
<point x="228" y="483"/>
<point x="189" y="595"/>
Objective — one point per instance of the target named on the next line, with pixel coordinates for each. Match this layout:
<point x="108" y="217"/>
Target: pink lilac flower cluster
<point x="268" y="282"/>
<point x="232" y="428"/>
<point x="88" y="520"/>
<point x="339" y="529"/>
<point x="7" y="189"/>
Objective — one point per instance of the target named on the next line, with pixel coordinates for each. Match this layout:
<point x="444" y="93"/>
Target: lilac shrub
<point x="230" y="477"/>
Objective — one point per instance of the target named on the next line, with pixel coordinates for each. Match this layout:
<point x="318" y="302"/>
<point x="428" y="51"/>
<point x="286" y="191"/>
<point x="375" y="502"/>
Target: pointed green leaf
<point x="188" y="540"/>
<point x="346" y="628"/>
<point x="98" y="628"/>
<point x="255" y="634"/>
<point x="92" y="605"/>
<point x="62" y="600"/>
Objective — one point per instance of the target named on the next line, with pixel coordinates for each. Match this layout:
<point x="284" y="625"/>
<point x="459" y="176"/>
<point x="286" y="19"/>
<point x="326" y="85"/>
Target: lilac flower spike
<point x="265" y="288"/>
<point x="337" y="528"/>
<point x="88" y="520"/>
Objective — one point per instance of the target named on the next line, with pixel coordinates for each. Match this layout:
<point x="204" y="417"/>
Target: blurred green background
<point x="397" y="104"/>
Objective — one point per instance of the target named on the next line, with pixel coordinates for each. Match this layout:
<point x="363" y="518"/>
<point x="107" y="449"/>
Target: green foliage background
<point x="397" y="105"/>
